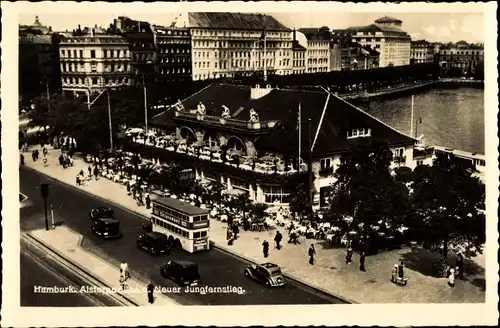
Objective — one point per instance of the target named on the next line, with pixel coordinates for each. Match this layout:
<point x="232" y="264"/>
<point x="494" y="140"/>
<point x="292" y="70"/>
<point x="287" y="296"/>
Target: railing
<point x="229" y="122"/>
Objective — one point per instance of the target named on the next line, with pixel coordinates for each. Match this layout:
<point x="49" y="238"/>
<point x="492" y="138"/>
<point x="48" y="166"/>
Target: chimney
<point x="294" y="35"/>
<point x="79" y="27"/>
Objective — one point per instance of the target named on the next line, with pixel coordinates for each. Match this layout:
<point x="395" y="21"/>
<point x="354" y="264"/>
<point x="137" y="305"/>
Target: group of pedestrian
<point x="457" y="271"/>
<point x="66" y="159"/>
<point x="124" y="275"/>
<point x="293" y="235"/>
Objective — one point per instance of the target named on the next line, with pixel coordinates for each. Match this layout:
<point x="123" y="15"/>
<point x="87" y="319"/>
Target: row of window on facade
<point x="177" y="70"/>
<point x="144" y="58"/>
<point x="80" y="53"/>
<point x="174" y="51"/>
<point x="80" y="67"/>
<point x="466" y="52"/>
<point x="171" y="32"/>
<point x="238" y="33"/>
<point x="317" y="70"/>
<point x="239" y="44"/>
<point x="240" y="54"/>
<point x="173" y="41"/>
<point x="317" y="61"/>
<point x="299" y="63"/>
<point x="166" y="60"/>
<point x="95" y="81"/>
<point x="241" y="64"/>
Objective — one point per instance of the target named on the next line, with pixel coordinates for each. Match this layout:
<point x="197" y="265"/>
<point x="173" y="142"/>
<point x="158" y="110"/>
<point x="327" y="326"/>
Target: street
<point x="39" y="271"/>
<point x="217" y="269"/>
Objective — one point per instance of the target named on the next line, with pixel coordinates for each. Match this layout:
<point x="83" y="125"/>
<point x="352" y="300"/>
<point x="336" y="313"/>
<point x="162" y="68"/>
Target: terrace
<point x="230" y="124"/>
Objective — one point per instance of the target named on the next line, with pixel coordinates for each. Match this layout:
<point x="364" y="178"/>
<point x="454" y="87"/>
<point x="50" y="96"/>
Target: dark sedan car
<point x="101" y="212"/>
<point x="154" y="243"/>
<point x="266" y="273"/>
<point x="107" y="228"/>
<point x="185" y="273"/>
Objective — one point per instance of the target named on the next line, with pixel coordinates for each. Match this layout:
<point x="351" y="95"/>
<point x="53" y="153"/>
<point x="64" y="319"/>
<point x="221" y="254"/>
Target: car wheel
<point x="247" y="274"/>
<point x="268" y="284"/>
<point x="150" y="251"/>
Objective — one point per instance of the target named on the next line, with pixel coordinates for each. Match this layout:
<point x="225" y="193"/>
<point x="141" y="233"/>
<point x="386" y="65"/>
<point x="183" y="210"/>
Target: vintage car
<point x="107" y="228"/>
<point x="266" y="273"/>
<point x="154" y="243"/>
<point x="101" y="212"/>
<point x="185" y="273"/>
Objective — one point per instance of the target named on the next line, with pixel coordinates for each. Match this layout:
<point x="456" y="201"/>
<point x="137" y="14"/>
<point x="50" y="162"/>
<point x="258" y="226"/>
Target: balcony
<point x="261" y="127"/>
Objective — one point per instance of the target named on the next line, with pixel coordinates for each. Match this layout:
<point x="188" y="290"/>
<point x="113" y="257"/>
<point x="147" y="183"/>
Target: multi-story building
<point x="38" y="61"/>
<point x="92" y="62"/>
<point x="421" y="51"/>
<point x="174" y="53"/>
<point x="353" y="56"/>
<point x="143" y="50"/>
<point x="318" y="49"/>
<point x="232" y="44"/>
<point x="387" y="37"/>
<point x="463" y="56"/>
<point x="299" y="51"/>
<point x="254" y="121"/>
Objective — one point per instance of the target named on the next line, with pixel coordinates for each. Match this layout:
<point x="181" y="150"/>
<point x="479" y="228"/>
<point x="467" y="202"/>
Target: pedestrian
<point x="348" y="257"/>
<point x="394" y="276"/>
<point x="45" y="161"/>
<point x="148" y="201"/>
<point x="362" y="262"/>
<point x="312" y="253"/>
<point x="265" y="248"/>
<point x="61" y="161"/>
<point x="90" y="170"/>
<point x="33" y="156"/>
<point x="401" y="273"/>
<point x="96" y="172"/>
<point x="236" y="231"/>
<point x="230" y="237"/>
<point x="45" y="151"/>
<point x="151" y="289"/>
<point x="123" y="279"/>
<point x="78" y="181"/>
<point x="277" y="239"/>
<point x="460" y="266"/>
<point x="81" y="173"/>
<point x="37" y="154"/>
<point x="22" y="159"/>
<point x="451" y="278"/>
<point x="128" y="188"/>
<point x="124" y="268"/>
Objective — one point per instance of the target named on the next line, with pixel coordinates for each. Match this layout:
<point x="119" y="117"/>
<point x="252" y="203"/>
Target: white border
<point x="379" y="314"/>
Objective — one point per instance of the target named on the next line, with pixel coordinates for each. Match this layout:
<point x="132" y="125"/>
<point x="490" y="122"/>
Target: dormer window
<point x="356" y="133"/>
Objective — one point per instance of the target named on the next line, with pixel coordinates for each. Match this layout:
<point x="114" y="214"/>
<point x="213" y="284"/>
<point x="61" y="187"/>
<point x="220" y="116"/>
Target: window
<point x="355" y="133"/>
<point x="81" y="53"/>
<point x="240" y="184"/>
<point x="94" y="80"/>
<point x="325" y="163"/>
<point x="63" y="53"/>
<point x="399" y="152"/>
<point x="275" y="193"/>
<point x="92" y="53"/>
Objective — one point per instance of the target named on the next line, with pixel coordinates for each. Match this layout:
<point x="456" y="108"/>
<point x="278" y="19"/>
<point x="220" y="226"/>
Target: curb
<point x="72" y="262"/>
<point x="291" y="277"/>
<point x="287" y="275"/>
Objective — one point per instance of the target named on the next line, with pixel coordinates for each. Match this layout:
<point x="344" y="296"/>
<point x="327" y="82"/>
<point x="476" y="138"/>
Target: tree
<point x="366" y="196"/>
<point x="299" y="202"/>
<point x="243" y="203"/>
<point x="259" y="210"/>
<point x="448" y="203"/>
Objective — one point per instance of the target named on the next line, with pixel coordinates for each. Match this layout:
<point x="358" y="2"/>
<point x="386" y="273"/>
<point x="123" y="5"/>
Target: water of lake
<point x="451" y="118"/>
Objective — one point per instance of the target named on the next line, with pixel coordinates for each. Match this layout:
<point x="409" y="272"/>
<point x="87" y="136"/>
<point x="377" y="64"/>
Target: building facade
<point x="38" y="61"/>
<point x="318" y="49"/>
<point x="143" y="50"/>
<point x="251" y="122"/>
<point x="232" y="44"/>
<point x="421" y="51"/>
<point x="94" y="61"/>
<point x="298" y="58"/>
<point x="353" y="56"/>
<point x="386" y="37"/>
<point x="462" y="56"/>
<point x="174" y="53"/>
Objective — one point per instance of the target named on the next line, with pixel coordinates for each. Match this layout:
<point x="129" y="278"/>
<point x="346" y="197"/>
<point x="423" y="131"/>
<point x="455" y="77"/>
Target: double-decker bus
<point x="185" y="224"/>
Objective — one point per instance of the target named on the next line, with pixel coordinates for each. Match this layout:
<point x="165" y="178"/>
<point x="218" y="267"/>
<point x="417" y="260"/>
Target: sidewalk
<point x="66" y="243"/>
<point x="330" y="272"/>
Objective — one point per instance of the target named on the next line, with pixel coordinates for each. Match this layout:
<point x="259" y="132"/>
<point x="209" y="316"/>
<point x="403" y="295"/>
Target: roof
<point x="236" y="21"/>
<point x="164" y="119"/>
<point x="108" y="220"/>
<point x="387" y="19"/>
<point x="296" y="46"/>
<point x="155" y="235"/>
<point x="316" y="34"/>
<point x="381" y="28"/>
<point x="283" y="105"/>
<point x="186" y="208"/>
<point x="185" y="263"/>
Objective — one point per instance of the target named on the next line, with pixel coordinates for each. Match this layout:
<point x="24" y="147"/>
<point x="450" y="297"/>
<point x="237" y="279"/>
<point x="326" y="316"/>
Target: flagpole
<point x="265" y="55"/>
<point x="411" y="127"/>
<point x="300" y="136"/>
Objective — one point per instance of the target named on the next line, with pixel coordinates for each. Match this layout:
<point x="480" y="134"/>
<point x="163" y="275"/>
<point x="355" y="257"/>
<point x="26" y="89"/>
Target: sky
<point x="434" y="27"/>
